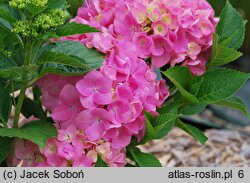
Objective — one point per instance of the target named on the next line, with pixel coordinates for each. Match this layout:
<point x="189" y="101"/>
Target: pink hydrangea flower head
<point x="180" y="22"/>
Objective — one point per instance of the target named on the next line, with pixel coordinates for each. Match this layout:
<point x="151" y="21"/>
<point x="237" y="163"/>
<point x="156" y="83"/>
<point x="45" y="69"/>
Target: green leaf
<point x="89" y="57"/>
<point x="49" y="35"/>
<point x="20" y="74"/>
<point x="55" y="4"/>
<point x="222" y="55"/>
<point x="235" y="103"/>
<point x="8" y="85"/>
<point x="5" y="144"/>
<point x="100" y="162"/>
<point x="93" y="58"/>
<point x="149" y="131"/>
<point x="52" y="68"/>
<point x="193" y="131"/>
<point x="10" y="42"/>
<point x="181" y="77"/>
<point x="62" y="58"/>
<point x="231" y="27"/>
<point x="35" y="10"/>
<point x="163" y="124"/>
<point x="17" y="53"/>
<point x="5" y="105"/>
<point x="196" y="84"/>
<point x="219" y="84"/>
<point x="13" y="14"/>
<point x="4" y="1"/>
<point x="226" y="55"/>
<point x="192" y="109"/>
<point x="171" y="105"/>
<point x="6" y="62"/>
<point x="5" y="24"/>
<point x="6" y="15"/>
<point x="8" y="39"/>
<point x="31" y="108"/>
<point x="74" y="5"/>
<point x="144" y="159"/>
<point x="36" y="131"/>
<point x="73" y="28"/>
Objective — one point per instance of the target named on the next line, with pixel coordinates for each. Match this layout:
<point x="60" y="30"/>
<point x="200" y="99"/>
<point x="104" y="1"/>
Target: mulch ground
<point x="224" y="148"/>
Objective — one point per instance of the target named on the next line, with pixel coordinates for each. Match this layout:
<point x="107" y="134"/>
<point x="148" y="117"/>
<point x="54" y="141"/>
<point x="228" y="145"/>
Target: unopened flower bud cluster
<point x="6" y="53"/>
<point x="41" y="22"/>
<point x="51" y="19"/>
<point x="21" y="4"/>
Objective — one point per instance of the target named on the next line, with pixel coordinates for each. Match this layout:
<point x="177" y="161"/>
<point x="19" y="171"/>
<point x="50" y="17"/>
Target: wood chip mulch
<point x="224" y="148"/>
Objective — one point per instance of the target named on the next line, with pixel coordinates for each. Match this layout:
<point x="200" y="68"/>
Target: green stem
<point x="19" y="106"/>
<point x="13" y="93"/>
<point x="35" y="52"/>
<point x="30" y="56"/>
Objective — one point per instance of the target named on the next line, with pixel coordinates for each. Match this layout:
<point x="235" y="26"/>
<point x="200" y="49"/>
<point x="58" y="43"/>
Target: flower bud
<point x="6" y="53"/>
<point x="25" y="28"/>
<point x="21" y="4"/>
<point x="51" y="19"/>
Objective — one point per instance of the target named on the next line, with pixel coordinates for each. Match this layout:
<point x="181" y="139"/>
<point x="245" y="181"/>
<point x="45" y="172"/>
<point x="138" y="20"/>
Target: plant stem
<point x="37" y="47"/>
<point x="27" y="58"/>
<point x="19" y="106"/>
<point x="13" y="94"/>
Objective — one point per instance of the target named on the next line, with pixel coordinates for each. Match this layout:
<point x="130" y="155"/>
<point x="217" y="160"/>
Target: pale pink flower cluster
<point x="170" y="32"/>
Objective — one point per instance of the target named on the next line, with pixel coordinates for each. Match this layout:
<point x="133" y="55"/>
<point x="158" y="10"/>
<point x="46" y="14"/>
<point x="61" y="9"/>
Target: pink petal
<point x="160" y="61"/>
<point x="54" y="160"/>
<point x="95" y="131"/>
<point x="194" y="49"/>
<point x="122" y="140"/>
<point x="87" y="85"/>
<point x="181" y="45"/>
<point x="69" y="94"/>
<point x="61" y="113"/>
<point x="85" y="119"/>
<point x="102" y="98"/>
<point x="87" y="102"/>
<point x="160" y="28"/>
<point x="161" y="45"/>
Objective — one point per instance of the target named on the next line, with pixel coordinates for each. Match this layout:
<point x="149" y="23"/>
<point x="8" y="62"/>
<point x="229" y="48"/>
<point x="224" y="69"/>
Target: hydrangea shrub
<point x="109" y="75"/>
